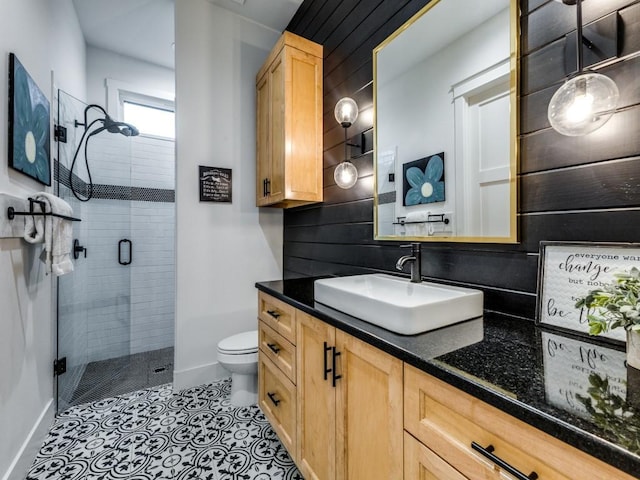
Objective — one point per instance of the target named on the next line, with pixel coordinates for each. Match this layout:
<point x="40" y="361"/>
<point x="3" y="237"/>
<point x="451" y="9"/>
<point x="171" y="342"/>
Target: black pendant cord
<point x="579" y="51"/>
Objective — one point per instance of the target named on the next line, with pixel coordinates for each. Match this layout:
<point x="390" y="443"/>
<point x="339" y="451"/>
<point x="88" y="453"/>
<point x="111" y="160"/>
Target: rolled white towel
<point x="417" y="216"/>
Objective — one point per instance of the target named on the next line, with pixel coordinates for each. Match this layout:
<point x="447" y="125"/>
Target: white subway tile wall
<point x="152" y="275"/>
<point x="118" y="310"/>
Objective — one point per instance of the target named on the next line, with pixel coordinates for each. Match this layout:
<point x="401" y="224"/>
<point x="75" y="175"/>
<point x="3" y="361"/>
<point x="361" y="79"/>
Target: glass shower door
<point x="94" y="302"/>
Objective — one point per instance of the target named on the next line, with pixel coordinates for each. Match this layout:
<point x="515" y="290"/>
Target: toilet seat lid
<point x="241" y="343"/>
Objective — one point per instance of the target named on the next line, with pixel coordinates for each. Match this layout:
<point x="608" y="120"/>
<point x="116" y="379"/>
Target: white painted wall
<point x="222" y="249"/>
<point x="33" y="30"/>
<point x="103" y="64"/>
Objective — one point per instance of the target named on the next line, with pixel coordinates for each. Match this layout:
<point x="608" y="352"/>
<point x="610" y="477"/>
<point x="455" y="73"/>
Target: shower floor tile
<point x="154" y="434"/>
<point x="117" y="376"/>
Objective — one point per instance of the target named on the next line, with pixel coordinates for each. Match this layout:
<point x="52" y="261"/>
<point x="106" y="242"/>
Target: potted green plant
<point x="617" y="305"/>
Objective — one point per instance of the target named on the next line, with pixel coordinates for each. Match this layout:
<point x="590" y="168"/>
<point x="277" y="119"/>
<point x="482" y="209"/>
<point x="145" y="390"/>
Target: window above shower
<point x="153" y="111"/>
<point x="150" y="120"/>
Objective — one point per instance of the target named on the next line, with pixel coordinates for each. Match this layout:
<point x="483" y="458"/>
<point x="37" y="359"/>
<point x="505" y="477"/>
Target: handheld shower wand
<point x="110" y="126"/>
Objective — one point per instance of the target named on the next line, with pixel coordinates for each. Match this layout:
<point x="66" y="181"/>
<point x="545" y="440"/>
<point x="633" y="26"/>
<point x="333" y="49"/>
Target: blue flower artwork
<point x="423" y="180"/>
<point x="29" y="149"/>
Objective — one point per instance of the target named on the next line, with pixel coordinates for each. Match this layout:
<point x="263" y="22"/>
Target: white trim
<point x="482" y="80"/>
<point x="192" y="377"/>
<point x="464" y="145"/>
<point x="115" y="89"/>
<point x="31" y="446"/>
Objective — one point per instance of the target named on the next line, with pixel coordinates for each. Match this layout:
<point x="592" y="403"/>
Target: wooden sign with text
<point x="568" y="271"/>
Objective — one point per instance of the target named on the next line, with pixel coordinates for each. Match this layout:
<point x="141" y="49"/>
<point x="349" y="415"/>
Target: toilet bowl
<point x="239" y="355"/>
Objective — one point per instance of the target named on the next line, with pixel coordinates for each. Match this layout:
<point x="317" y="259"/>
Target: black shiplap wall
<point x="583" y="189"/>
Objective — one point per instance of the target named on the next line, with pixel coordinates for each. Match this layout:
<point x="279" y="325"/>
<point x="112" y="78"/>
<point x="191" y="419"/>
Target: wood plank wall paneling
<point x="571" y="189"/>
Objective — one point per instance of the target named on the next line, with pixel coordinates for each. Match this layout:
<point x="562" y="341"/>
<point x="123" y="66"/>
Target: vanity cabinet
<point x="446" y="422"/>
<point x="334" y="401"/>
<point x="289" y="124"/>
<point x="345" y="409"/>
<point x="349" y="406"/>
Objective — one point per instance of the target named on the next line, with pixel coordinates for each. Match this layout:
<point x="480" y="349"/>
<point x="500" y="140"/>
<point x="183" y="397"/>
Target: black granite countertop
<point x="575" y="389"/>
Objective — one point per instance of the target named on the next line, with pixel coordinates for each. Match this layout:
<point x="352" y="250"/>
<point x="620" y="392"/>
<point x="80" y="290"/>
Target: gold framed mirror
<point x="446" y="123"/>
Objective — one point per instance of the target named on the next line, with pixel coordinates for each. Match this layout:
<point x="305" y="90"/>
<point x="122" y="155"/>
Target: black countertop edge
<point x="584" y="441"/>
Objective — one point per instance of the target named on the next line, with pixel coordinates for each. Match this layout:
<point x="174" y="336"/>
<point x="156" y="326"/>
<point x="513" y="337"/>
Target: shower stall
<point x="116" y="310"/>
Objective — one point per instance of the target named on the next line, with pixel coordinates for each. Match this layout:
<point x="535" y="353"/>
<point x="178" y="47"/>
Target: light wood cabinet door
<point x="275" y="180"/>
<point x="303" y="127"/>
<point x="263" y="139"/>
<point x="369" y="432"/>
<point x="289" y="124"/>
<point x="420" y="463"/>
<point x="316" y="399"/>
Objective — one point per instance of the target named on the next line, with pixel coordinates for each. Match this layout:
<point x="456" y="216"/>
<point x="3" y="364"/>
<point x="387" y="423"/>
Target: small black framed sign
<point x="568" y="271"/>
<point x="215" y="184"/>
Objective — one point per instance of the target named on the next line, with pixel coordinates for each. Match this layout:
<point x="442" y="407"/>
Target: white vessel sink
<point x="397" y="304"/>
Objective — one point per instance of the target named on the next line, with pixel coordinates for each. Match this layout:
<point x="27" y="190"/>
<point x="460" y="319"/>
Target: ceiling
<point x="144" y="29"/>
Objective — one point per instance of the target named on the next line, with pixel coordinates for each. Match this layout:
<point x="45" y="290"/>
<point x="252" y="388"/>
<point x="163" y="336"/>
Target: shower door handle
<point x="120" y="243"/>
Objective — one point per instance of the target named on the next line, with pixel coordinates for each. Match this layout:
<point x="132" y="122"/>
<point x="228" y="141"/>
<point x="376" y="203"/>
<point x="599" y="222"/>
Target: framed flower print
<point x="29" y="148"/>
<point x="423" y="180"/>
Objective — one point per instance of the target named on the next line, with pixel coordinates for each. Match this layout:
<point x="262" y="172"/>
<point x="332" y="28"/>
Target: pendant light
<point x="587" y="100"/>
<point x="346" y="112"/>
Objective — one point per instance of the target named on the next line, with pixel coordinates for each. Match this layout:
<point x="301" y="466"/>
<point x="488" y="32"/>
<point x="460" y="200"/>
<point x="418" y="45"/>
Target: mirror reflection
<point x="445" y="103"/>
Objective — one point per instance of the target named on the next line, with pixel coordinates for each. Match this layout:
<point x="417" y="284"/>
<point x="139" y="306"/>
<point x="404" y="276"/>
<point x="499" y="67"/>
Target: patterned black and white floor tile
<point x="153" y="434"/>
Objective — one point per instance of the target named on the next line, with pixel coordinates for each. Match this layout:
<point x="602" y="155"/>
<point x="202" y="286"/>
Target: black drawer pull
<point x="327" y="370"/>
<point x="273" y="347"/>
<point x="334" y="369"/>
<point x="272" y="396"/>
<point x="275" y="314"/>
<point x="488" y="453"/>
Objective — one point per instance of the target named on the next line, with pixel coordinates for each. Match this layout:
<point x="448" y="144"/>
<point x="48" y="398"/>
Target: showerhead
<point x="112" y="126"/>
<point x="108" y="124"/>
<point x="123" y="128"/>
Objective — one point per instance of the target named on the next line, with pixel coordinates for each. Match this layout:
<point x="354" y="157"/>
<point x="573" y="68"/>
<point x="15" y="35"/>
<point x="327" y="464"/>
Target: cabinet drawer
<point x="278" y="315"/>
<point x="420" y="463"/>
<point x="277" y="400"/>
<point x="448" y="420"/>
<point x="279" y="350"/>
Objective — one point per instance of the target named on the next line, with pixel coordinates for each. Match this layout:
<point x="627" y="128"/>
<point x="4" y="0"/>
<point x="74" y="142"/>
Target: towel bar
<point x="433" y="218"/>
<point x="11" y="213"/>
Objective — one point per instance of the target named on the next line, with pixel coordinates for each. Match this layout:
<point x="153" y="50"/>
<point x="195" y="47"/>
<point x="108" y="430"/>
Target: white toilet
<point x="239" y="354"/>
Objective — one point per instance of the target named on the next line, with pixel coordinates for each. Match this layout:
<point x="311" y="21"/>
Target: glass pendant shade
<point x="346" y="111"/>
<point x="583" y="104"/>
<point x="345" y="175"/>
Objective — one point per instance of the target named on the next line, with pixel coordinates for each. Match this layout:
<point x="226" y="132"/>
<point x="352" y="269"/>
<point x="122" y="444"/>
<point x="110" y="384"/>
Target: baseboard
<point x="31" y="446"/>
<point x="192" y="377"/>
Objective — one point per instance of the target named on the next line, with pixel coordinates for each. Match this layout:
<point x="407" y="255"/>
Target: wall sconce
<point x="587" y="100"/>
<point x="346" y="112"/>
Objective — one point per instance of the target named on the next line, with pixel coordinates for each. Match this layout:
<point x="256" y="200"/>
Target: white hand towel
<point x="58" y="234"/>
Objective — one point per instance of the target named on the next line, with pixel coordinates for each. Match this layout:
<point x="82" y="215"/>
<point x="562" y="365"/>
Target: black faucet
<point x="416" y="262"/>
